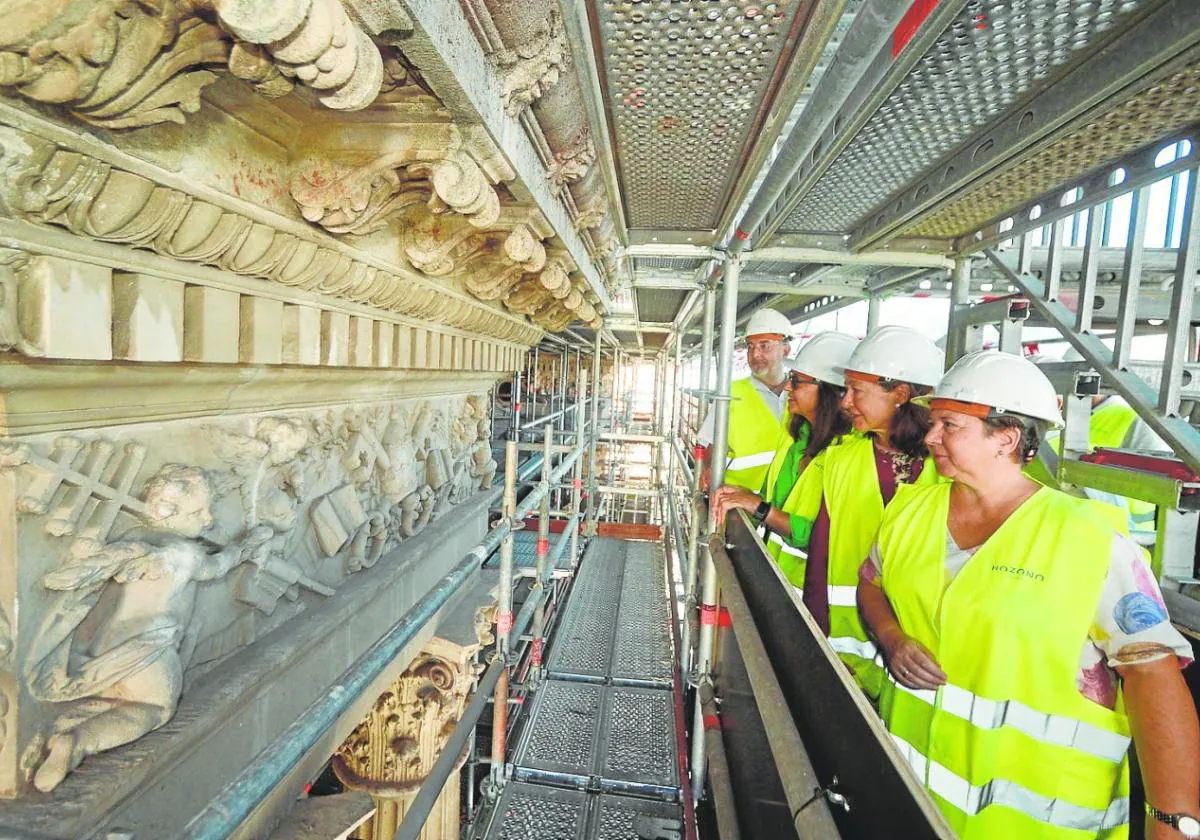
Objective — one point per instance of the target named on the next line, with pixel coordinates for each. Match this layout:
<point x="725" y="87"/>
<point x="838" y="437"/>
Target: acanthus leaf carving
<point x="123" y="65"/>
<point x="528" y="70"/>
<point x="129" y="64"/>
<point x="591" y="215"/>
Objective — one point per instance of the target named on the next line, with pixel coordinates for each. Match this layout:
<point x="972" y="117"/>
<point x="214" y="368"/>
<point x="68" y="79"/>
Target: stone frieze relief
<point x="144" y="567"/>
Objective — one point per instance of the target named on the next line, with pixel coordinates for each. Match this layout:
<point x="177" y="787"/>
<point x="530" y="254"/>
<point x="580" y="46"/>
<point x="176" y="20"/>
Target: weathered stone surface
<point x="147" y="318"/>
<point x="157" y="553"/>
<point x="64" y="309"/>
<point x="210" y="325"/>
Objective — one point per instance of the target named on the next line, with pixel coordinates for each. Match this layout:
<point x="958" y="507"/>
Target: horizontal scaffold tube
<point x="237" y="801"/>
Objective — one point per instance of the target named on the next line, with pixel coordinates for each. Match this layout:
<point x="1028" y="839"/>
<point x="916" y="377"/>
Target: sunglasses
<point x="795" y="380"/>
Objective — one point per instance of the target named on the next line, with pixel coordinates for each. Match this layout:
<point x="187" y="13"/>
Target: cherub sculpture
<point x="117" y="643"/>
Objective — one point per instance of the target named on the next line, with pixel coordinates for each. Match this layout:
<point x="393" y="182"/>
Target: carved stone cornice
<point x="48" y="184"/>
<point x="121" y="64"/>
<point x="311" y="41"/>
<point x="440" y="190"/>
<point x="529" y="69"/>
<point x="434" y="165"/>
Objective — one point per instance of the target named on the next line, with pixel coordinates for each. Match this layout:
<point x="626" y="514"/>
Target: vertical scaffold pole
<point x="504" y="619"/>
<point x="614" y="423"/>
<point x="957" y="342"/>
<point x="515" y="429"/>
<point x="581" y="391"/>
<point x="706" y="342"/>
<point x="593" y="497"/>
<point x="543" y="553"/>
<point x="720" y="452"/>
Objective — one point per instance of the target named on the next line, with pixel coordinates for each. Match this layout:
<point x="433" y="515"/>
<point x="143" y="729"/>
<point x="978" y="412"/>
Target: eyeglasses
<point x="795" y="380"/>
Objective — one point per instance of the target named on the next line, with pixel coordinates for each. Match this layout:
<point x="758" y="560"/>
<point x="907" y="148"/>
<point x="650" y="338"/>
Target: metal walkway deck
<point x="598" y="753"/>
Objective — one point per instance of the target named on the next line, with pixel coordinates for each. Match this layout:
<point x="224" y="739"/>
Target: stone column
<point x="390" y="753"/>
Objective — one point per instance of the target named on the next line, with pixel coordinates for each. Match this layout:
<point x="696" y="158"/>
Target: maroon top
<point x="816" y="572"/>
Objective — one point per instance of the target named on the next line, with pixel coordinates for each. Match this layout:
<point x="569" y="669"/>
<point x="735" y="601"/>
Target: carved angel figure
<point x="116" y="644"/>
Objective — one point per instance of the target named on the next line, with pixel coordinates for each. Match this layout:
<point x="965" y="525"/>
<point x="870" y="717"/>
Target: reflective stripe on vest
<point x="843" y="596"/>
<point x="971" y="799"/>
<point x="1058" y="730"/>
<point x="745" y="462"/>
<point x="1007" y="631"/>
<point x="855" y="503"/>
<point x="754" y="430"/>
<point x="853" y="647"/>
<point x="784" y="545"/>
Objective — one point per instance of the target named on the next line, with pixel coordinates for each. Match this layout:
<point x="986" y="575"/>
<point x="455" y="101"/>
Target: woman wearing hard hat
<point x="858" y="476"/>
<point x="816" y="384"/>
<point x="1025" y="636"/>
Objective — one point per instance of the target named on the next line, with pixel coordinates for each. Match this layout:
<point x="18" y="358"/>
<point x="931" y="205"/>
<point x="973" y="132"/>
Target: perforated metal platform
<point x="614" y="738"/>
<point x="525" y="554"/>
<point x="616" y="625"/>
<point x="642" y="650"/>
<point x="534" y="812"/>
<point x="597" y="752"/>
<point x="582" y="648"/>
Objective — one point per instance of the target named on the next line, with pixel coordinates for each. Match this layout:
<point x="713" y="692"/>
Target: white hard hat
<point x="824" y="357"/>
<point x="1004" y="382"/>
<point x="898" y="353"/>
<point x="769" y="322"/>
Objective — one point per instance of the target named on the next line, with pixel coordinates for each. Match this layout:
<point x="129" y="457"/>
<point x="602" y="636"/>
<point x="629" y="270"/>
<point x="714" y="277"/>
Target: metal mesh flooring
<point x="525" y="552"/>
<point x="535" y="812"/>
<point x="597" y="754"/>
<point x="616" y="627"/>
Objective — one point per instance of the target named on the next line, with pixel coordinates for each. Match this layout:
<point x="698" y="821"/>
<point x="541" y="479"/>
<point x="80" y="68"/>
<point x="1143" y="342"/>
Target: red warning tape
<point x="504" y="623"/>
<point x="726" y="620"/>
<point x="699" y="452"/>
<point x="577" y="484"/>
<point x="712" y="722"/>
<point x="536" y="654"/>
<point x="741" y="234"/>
<point x="708" y="614"/>
<point x="910" y="23"/>
<point x="543" y="547"/>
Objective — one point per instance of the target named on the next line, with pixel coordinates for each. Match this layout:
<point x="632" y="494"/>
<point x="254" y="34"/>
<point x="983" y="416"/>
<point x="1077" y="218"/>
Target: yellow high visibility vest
<point x="804" y="499"/>
<point x="850" y="488"/>
<point x="753" y="432"/>
<point x="1008" y="747"/>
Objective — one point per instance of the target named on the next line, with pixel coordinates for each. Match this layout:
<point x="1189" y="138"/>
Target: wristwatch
<point x="1185" y="824"/>
<point x="761" y="512"/>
